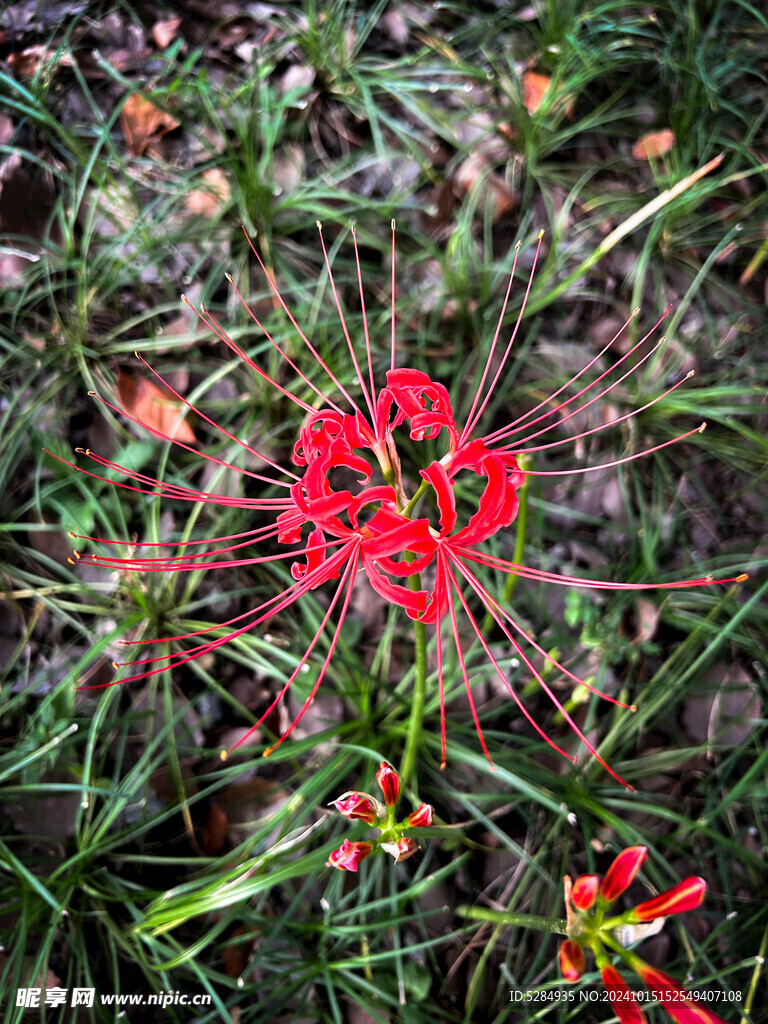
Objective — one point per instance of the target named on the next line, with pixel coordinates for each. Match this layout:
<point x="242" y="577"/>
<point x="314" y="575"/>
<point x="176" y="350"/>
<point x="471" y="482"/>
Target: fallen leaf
<point x="164" y="32"/>
<point x="155" y="407"/>
<point x="215" y="830"/>
<point x="534" y="88"/>
<point x="206" y="201"/>
<point x="474" y="171"/>
<point x="142" y="122"/>
<point x="653" y="144"/>
<point x="27" y="62"/>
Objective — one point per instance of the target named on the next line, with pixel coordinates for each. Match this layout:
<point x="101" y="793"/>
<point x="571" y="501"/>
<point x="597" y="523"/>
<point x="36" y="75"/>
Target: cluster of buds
<point x="590" y="924"/>
<point x="364" y="807"/>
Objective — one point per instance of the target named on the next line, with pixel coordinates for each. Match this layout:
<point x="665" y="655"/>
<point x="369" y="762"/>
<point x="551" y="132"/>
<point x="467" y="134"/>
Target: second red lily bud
<point x="389" y="781"/>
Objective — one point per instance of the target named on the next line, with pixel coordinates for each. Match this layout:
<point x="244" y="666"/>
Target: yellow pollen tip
<point x="744" y="576"/>
<point x="540" y="234"/>
<point x="229" y="278"/>
<point x="518" y="243"/>
<point x="79" y="450"/>
<point x="184" y="298"/>
<point x="703" y="427"/>
<point x="136" y="353"/>
<point x="393" y="224"/>
<point x="691" y="373"/>
<point x="442" y="766"/>
<point x="709" y="578"/>
<point x="632" y="707"/>
<point x="268" y="751"/>
<point x="72" y="535"/>
<point x="92" y="394"/>
<point x="319" y="225"/>
<point x="122" y="643"/>
<point x="115" y="665"/>
<point x="77" y="554"/>
<point x="223" y="755"/>
<point x="636" y="311"/>
<point x="70" y="560"/>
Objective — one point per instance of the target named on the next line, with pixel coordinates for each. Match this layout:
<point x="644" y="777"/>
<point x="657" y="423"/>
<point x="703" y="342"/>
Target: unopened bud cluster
<point x="590" y="925"/>
<point x="364" y="807"/>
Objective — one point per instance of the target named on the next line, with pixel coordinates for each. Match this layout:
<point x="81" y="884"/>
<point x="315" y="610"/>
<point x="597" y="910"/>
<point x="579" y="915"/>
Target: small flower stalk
<point x="591" y="926"/>
<point x="364" y="807"/>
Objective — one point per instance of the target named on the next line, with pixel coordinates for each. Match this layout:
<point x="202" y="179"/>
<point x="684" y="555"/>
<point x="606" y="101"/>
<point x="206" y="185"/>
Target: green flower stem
<point x="554" y="925"/>
<point x="419" y="690"/>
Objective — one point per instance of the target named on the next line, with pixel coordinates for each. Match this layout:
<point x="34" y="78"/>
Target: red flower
<point x="621" y="997"/>
<point x="622" y="871"/>
<point x="686" y="895"/>
<point x="681" y="1006"/>
<point x="360" y="806"/>
<point x="597" y="932"/>
<point x="572" y="960"/>
<point x="389" y="781"/>
<point x="374" y="526"/>
<point x="349" y="855"/>
<point x="421" y="817"/>
<point x="584" y="891"/>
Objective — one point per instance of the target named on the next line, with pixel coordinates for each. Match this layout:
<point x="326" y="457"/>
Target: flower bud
<point x="584" y="891"/>
<point x="678" y="1003"/>
<point x="421" y="817"/>
<point x="686" y="895"/>
<point x="389" y="781"/>
<point x="349" y="855"/>
<point x="572" y="960"/>
<point x="621" y="997"/>
<point x="620" y="874"/>
<point x="360" y="806"/>
<point x="402" y="849"/>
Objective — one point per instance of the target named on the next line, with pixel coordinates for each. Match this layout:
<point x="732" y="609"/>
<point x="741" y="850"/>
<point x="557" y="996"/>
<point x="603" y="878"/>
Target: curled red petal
<point x="437" y="476"/>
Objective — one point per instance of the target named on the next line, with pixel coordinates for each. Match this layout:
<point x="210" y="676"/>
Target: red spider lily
<point x="373" y="526"/>
<point x="596" y="932"/>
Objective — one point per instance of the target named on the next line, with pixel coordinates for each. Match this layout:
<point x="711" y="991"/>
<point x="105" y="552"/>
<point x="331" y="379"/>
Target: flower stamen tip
<point x="744" y="576"/>
<point x="223" y="755"/>
<point x="116" y="665"/>
<point x="228" y="276"/>
<point x="691" y="373"/>
<point x="92" y="394"/>
<point x="540" y="234"/>
<point x="703" y="427"/>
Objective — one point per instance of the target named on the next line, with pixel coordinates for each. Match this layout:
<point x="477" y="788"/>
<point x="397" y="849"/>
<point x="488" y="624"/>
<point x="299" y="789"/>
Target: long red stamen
<point x="473" y="419"/>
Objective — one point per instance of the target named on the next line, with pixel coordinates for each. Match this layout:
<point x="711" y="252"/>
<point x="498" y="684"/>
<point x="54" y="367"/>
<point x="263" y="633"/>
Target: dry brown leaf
<point x="653" y="144"/>
<point x="155" y="407"/>
<point x="27" y="62"/>
<point x="142" y="122"/>
<point x="164" y="32"/>
<point x="534" y="88"/>
<point x="215" y="831"/>
<point x="206" y="201"/>
<point x="474" y="170"/>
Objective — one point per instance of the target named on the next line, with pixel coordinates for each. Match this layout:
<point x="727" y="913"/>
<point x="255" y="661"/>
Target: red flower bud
<point x="360" y="806"/>
<point x="572" y="960"/>
<point x="349" y="855"/>
<point x="621" y="997"/>
<point x="421" y="817"/>
<point x="686" y="895"/>
<point x="584" y="891"/>
<point x="389" y="781"/>
<point x="402" y="849"/>
<point x="620" y="874"/>
<point x="673" y="997"/>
